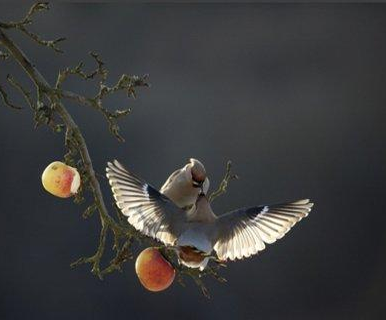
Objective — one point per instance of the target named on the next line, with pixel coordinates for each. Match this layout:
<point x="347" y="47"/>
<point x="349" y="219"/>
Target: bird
<point x="184" y="185"/>
<point x="199" y="235"/>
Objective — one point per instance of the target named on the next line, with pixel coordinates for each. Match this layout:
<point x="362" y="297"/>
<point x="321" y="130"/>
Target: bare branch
<point x="62" y="76"/>
<point x="90" y="211"/>
<point x="123" y="254"/>
<point x="47" y="43"/>
<point x="37" y="7"/>
<point x="27" y="20"/>
<point x="45" y="89"/>
<point x="100" y="70"/>
<point x="6" y="100"/>
<point x="222" y="188"/>
<point x="25" y="93"/>
<point x="125" y="83"/>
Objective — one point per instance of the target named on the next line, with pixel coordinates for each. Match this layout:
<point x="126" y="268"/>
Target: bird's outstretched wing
<point x="147" y="210"/>
<point x="244" y="232"/>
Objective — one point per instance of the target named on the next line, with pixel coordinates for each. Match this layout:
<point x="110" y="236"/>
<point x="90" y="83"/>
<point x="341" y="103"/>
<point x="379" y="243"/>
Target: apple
<point x="154" y="272"/>
<point x="61" y="180"/>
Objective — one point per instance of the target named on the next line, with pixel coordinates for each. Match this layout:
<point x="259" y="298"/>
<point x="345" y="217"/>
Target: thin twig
<point x="125" y="83"/>
<point x="222" y="188"/>
<point x="27" y="20"/>
<point x="6" y="100"/>
<point x="24" y="92"/>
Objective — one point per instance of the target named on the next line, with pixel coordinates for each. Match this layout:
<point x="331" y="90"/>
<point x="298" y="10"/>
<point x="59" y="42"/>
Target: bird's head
<point x="197" y="172"/>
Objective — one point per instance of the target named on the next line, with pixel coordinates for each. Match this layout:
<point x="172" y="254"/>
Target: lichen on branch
<point x="125" y="83"/>
<point x="23" y="24"/>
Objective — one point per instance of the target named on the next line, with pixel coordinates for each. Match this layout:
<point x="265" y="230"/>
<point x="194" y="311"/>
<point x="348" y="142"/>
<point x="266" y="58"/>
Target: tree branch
<point x="125" y="83"/>
<point x="51" y="95"/>
<point x="49" y="108"/>
<point x="6" y="100"/>
<point x="222" y="188"/>
<point x="25" y="93"/>
<point x="22" y="26"/>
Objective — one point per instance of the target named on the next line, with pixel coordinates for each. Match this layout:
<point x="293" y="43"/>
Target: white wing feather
<point x="244" y="232"/>
<point x="147" y="210"/>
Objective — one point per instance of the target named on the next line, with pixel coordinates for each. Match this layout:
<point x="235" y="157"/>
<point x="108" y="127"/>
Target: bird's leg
<point x="215" y="259"/>
<point x="176" y="249"/>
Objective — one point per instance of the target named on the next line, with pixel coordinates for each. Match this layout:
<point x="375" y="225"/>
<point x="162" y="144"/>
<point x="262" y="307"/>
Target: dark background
<point x="294" y="95"/>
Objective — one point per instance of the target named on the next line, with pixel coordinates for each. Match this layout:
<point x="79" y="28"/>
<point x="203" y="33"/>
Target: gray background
<point x="293" y="94"/>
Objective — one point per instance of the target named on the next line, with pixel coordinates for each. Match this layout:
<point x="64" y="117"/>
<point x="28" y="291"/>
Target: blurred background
<point x="294" y="95"/>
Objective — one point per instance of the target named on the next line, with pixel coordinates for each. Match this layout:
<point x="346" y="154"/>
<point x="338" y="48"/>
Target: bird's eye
<point x="197" y="183"/>
<point x="195" y="180"/>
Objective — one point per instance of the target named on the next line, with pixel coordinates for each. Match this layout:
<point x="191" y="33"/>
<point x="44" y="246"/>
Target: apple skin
<point x="154" y="272"/>
<point x="60" y="179"/>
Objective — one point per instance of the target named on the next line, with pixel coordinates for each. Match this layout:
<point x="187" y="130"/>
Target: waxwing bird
<point x="185" y="184"/>
<point x="235" y="235"/>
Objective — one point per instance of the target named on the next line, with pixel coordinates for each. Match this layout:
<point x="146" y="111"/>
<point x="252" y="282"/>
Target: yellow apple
<point x="61" y="180"/>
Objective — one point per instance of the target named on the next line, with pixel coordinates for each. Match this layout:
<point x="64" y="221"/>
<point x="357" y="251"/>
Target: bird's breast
<point x="196" y="238"/>
<point x="191" y="255"/>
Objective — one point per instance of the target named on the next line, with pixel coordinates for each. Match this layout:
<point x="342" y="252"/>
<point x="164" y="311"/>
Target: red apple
<point x="153" y="270"/>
